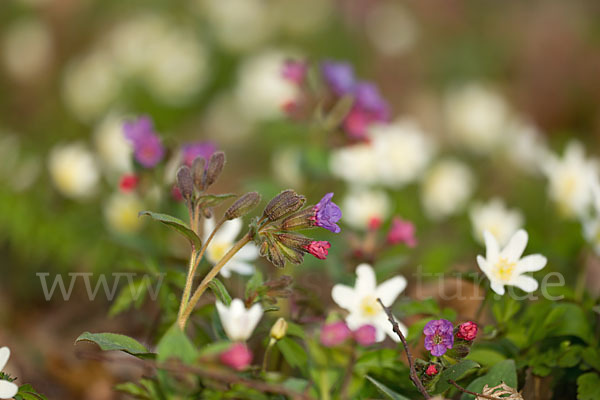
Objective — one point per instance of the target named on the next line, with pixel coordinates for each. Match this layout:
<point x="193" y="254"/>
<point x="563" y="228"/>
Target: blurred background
<point x="526" y="74"/>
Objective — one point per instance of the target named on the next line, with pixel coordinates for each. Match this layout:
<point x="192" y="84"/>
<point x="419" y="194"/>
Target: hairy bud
<point x="214" y="168"/>
<point x="292" y="255"/>
<point x="243" y="205"/>
<point x="302" y="219"/>
<point x="198" y="172"/>
<point x="279" y="329"/>
<point x="293" y="241"/>
<point x="283" y="204"/>
<point x="185" y="182"/>
<point x="272" y="252"/>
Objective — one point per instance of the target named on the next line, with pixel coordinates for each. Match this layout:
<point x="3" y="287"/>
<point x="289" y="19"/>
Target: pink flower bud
<point x="318" y="249"/>
<point x="402" y="232"/>
<point x="374" y="223"/>
<point x="467" y="331"/>
<point x="128" y="183"/>
<point x="431" y="370"/>
<point x="238" y="356"/>
<point x="334" y="334"/>
<point x="365" y="335"/>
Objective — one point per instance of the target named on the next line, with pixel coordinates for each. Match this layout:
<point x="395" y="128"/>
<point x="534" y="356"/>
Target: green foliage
<point x="389" y="393"/>
<point x="115" y="341"/>
<point x="27" y="392"/>
<point x="454" y="372"/>
<point x="175" y="344"/>
<point x="588" y="386"/>
<point x="220" y="291"/>
<point x="176" y="224"/>
<point x="502" y="372"/>
<point x="293" y="352"/>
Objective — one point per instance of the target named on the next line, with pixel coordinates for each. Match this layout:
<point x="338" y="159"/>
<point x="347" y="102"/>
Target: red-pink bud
<point x="374" y="223"/>
<point x="128" y="183"/>
<point x="238" y="356"/>
<point x="319" y="249"/>
<point x="402" y="232"/>
<point x="467" y="331"/>
<point x="334" y="334"/>
<point x="431" y="370"/>
<point x="365" y="335"/>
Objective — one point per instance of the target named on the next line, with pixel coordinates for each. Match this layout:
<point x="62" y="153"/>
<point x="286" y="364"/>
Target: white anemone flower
<point x="239" y="322"/>
<point x="569" y="179"/>
<point x="73" y="169"/>
<point x="361" y="301"/>
<point x="446" y="188"/>
<point x="8" y="390"/>
<point x="506" y="267"/>
<point x="224" y="240"/>
<point x="355" y="164"/>
<point x="362" y="207"/>
<point x="496" y="218"/>
<point x="591" y="223"/>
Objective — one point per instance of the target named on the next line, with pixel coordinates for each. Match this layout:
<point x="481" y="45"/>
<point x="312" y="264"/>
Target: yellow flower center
<point x="369" y="306"/>
<point x="217" y="250"/>
<point x="504" y="269"/>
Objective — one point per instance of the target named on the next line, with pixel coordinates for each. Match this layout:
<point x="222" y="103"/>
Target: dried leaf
<point x="502" y="392"/>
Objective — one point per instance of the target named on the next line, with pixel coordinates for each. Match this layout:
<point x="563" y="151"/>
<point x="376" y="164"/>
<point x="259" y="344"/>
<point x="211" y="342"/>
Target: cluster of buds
<point x="275" y="231"/>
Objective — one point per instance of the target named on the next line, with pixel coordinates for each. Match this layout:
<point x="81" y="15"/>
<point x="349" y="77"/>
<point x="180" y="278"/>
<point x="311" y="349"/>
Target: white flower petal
<point x="225" y="272"/>
<point x="390" y="289"/>
<point x="492" y="249"/>
<point x="229" y="230"/>
<point x="365" y="280"/>
<point x="254" y="315"/>
<point x="497" y="287"/>
<point x="209" y="225"/>
<point x="516" y="245"/>
<point x="483" y="265"/>
<point x="525" y="283"/>
<point x="344" y="296"/>
<point x="242" y="268"/>
<point x="382" y="323"/>
<point x="247" y="253"/>
<point x="356" y="320"/>
<point x="8" y="390"/>
<point x="4" y="356"/>
<point x="531" y="263"/>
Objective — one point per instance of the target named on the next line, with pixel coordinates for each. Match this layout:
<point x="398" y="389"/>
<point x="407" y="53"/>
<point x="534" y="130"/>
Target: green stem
<point x="182" y="320"/>
<point x="266" y="356"/>
<point x="188" y="282"/>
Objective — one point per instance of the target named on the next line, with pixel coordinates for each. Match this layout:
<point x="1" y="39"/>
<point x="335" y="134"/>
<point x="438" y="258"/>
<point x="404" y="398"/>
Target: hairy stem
<point x="189" y="281"/>
<point x="182" y="320"/>
<point x="411" y="364"/>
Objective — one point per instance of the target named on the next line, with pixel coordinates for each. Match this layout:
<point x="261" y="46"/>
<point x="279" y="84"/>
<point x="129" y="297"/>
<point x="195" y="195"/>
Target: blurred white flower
<point x="591" y="223"/>
<point x="238" y="25"/>
<point x="32" y="35"/>
<point x="239" y="322"/>
<point x="495" y="218"/>
<point x="569" y="179"/>
<point x="286" y="166"/>
<point x="177" y="67"/>
<point x="391" y="28"/>
<point x="261" y="89"/>
<point x="8" y="390"/>
<point x="361" y="301"/>
<point x="402" y="151"/>
<point x="121" y="212"/>
<point x="73" y="170"/>
<point x="91" y="83"/>
<point x="225" y="121"/>
<point x="355" y="164"/>
<point x="224" y="240"/>
<point x="362" y="207"/>
<point x="446" y="188"/>
<point x="525" y="146"/>
<point x="113" y="149"/>
<point x="476" y="116"/>
<point x="506" y="267"/>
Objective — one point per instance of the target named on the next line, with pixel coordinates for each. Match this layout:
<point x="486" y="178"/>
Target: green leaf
<point x="129" y="295"/>
<point x="385" y="390"/>
<point x="175" y="344"/>
<point x="588" y="386"/>
<point x="27" y="392"/>
<point x="254" y="283"/>
<point x="213" y="200"/>
<point x="338" y="113"/>
<point x="454" y="372"/>
<point x="567" y="319"/>
<point x="220" y="291"/>
<point x="114" y="341"/>
<point x="384" y="358"/>
<point x="504" y="371"/>
<point x="293" y="353"/>
<point x="485" y="356"/>
<point x="177" y="224"/>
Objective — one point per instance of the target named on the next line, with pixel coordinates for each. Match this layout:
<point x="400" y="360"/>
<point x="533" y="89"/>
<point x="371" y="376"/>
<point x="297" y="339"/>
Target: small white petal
<point x="8" y="390"/>
<point x="365" y="280"/>
<point x="356" y="320"/>
<point x="382" y="323"/>
<point x="209" y="225"/>
<point x="225" y="272"/>
<point x="4" y="356"/>
<point x="492" y="249"/>
<point x="254" y="315"/>
<point x="247" y="253"/>
<point x="242" y="268"/>
<point x="516" y="245"/>
<point x="497" y="287"/>
<point x="525" y="283"/>
<point x="344" y="296"/>
<point x="483" y="264"/>
<point x="531" y="263"/>
<point x="229" y="231"/>
<point x="390" y="289"/>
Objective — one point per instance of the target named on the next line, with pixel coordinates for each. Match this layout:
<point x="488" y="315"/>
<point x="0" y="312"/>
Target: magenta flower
<point x="238" y="356"/>
<point x="327" y="213"/>
<point x="294" y="71"/>
<point x="190" y="151"/>
<point x="467" y="331"/>
<point x="369" y="99"/>
<point x="339" y="76"/>
<point x="318" y="248"/>
<point x="438" y="336"/>
<point x="147" y="147"/>
<point x="402" y="232"/>
<point x="365" y="335"/>
<point x="334" y="334"/>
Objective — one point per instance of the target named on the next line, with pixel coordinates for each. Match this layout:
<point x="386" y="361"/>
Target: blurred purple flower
<point x="402" y="232"/>
<point x="438" y="336"/>
<point x="368" y="98"/>
<point x="339" y="76"/>
<point x="365" y="335"/>
<point x="334" y="334"/>
<point x="294" y="71"/>
<point x="147" y="147"/>
<point x="238" y="356"/>
<point x="327" y="213"/>
<point x="190" y="151"/>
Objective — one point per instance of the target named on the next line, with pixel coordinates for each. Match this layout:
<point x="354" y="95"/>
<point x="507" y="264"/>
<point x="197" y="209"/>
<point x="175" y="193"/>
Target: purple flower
<point x="327" y="213"/>
<point x="438" y="336"/>
<point x="147" y="147"/>
<point x="339" y="76"/>
<point x="197" y="149"/>
<point x="368" y="98"/>
<point x="334" y="334"/>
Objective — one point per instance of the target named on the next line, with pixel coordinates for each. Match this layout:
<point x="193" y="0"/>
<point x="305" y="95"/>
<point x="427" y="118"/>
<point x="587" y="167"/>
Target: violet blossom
<point x="191" y="151"/>
<point x="438" y="336"/>
<point x="327" y="213"/>
<point x="147" y="147"/>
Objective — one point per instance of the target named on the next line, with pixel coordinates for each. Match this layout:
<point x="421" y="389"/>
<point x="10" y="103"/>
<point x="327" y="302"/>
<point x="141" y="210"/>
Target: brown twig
<point x="477" y="395"/>
<point x="413" y="372"/>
